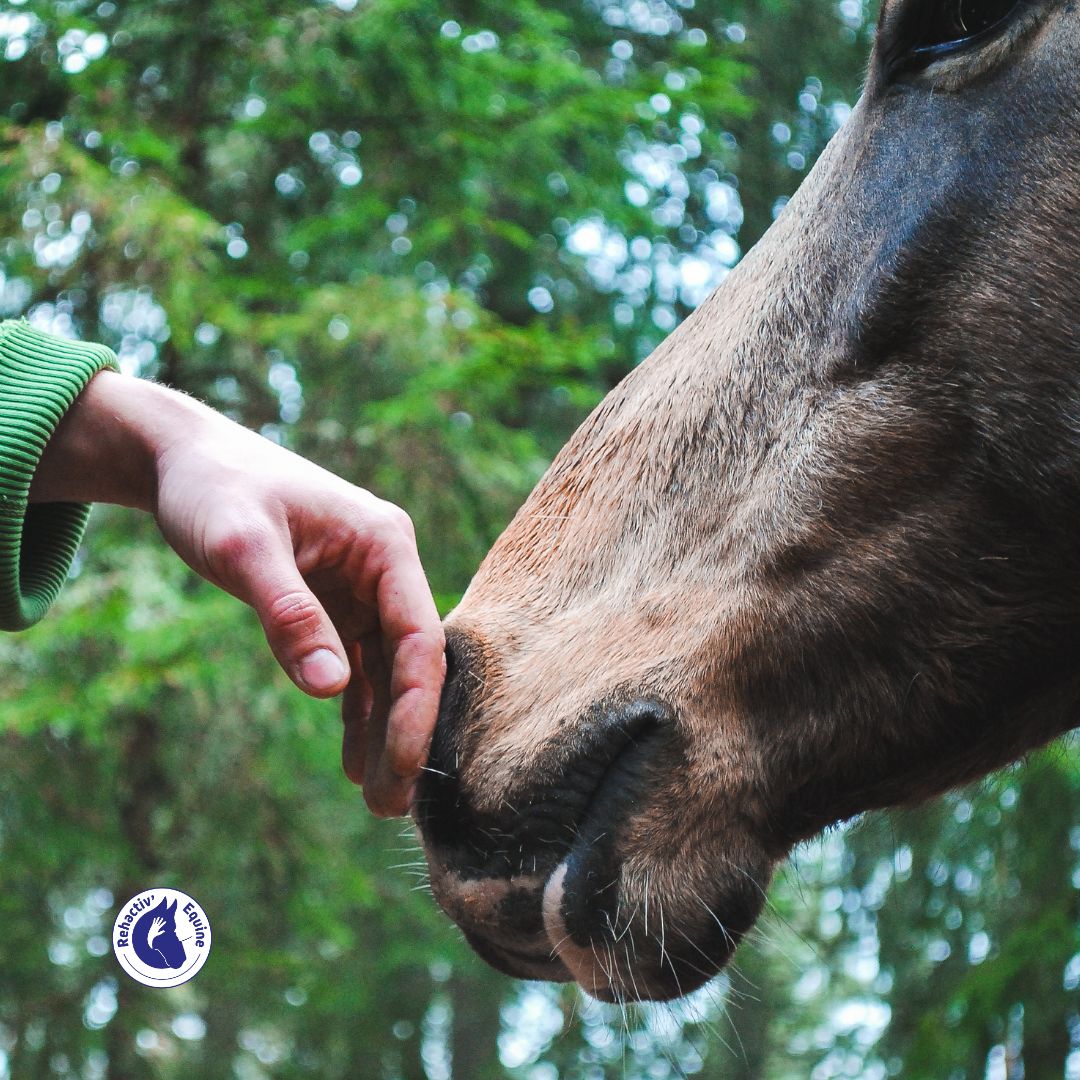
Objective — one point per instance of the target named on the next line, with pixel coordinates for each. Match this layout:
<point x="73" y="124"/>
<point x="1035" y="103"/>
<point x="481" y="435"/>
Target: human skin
<point x="331" y="570"/>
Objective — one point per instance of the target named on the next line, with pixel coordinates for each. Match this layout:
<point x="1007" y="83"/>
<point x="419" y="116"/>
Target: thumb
<point x="300" y="633"/>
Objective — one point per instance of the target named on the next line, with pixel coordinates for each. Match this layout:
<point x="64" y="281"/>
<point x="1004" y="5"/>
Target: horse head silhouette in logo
<point x="154" y="938"/>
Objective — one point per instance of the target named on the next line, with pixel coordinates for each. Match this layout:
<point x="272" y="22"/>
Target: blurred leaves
<point x="417" y="241"/>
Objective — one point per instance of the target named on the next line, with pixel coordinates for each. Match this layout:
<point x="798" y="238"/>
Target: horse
<point x="817" y="555"/>
<point x="154" y="938"/>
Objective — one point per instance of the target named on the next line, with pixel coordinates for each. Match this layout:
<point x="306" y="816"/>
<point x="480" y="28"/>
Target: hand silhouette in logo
<point x="157" y="927"/>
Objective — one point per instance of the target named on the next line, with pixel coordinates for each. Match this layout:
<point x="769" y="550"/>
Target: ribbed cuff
<point x="40" y="376"/>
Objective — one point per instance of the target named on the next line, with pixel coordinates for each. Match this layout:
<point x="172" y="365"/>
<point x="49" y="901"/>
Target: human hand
<point x="334" y="575"/>
<point x="331" y="570"/>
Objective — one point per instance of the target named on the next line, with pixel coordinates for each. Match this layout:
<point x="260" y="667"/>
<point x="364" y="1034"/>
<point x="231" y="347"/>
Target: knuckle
<point x="235" y="543"/>
<point x="294" y="612"/>
<point x="397" y="520"/>
<point x="404" y="522"/>
<point x="421" y="647"/>
<point x="431" y="638"/>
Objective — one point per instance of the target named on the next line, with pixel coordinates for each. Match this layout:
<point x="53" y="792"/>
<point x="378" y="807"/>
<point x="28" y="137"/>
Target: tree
<point x="417" y="242"/>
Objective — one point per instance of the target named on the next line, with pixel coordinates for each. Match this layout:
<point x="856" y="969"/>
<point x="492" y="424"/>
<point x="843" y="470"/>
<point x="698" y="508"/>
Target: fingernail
<point x="321" y="670"/>
<point x="410" y="798"/>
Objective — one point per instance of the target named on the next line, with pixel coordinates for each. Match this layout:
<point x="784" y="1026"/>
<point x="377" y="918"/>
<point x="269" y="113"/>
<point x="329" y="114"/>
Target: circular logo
<point x="161" y="937"/>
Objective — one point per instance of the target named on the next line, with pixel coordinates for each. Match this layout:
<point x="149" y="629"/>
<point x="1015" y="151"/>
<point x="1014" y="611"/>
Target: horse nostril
<point x="461" y="665"/>
<point x="438" y="804"/>
<point x="609" y="731"/>
<point x="452" y="661"/>
<point x="644" y="714"/>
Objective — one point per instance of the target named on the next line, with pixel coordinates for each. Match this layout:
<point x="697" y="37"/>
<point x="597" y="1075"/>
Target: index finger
<point x="414" y="645"/>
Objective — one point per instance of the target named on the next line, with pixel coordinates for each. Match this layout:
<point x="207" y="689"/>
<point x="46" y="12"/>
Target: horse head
<point x="154" y="937"/>
<point x="818" y="554"/>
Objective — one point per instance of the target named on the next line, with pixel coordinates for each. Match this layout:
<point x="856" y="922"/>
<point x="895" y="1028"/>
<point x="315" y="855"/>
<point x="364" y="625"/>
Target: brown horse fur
<point x="819" y="554"/>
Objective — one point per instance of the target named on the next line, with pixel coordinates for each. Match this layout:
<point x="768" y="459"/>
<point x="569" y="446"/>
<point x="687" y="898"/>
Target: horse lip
<point x="586" y="886"/>
<point x="519" y="963"/>
<point x="597" y="782"/>
<point x="551" y="812"/>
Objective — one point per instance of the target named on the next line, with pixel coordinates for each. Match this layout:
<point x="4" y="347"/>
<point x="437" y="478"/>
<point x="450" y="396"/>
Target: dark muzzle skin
<point x="534" y="882"/>
<point x="817" y="555"/>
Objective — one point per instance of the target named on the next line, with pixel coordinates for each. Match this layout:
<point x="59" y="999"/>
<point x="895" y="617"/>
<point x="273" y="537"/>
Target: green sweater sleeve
<point x="40" y="376"/>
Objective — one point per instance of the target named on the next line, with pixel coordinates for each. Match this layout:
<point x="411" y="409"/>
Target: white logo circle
<point x="161" y="937"/>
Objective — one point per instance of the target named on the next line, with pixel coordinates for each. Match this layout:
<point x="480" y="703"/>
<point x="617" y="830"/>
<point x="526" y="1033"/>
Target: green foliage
<point x="417" y="242"/>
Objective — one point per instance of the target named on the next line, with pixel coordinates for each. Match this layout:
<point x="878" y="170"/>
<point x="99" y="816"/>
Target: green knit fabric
<point x="40" y="376"/>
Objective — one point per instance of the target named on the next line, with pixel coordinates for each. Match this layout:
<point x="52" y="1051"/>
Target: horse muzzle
<point x="554" y="876"/>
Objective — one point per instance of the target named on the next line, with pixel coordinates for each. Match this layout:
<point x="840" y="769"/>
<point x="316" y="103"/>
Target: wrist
<point x="108" y="444"/>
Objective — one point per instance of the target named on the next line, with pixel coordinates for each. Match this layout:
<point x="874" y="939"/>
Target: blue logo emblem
<point x="161" y="937"/>
<point x="153" y="937"/>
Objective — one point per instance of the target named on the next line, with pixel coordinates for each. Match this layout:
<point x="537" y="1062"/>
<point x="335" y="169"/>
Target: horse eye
<point x="937" y="28"/>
